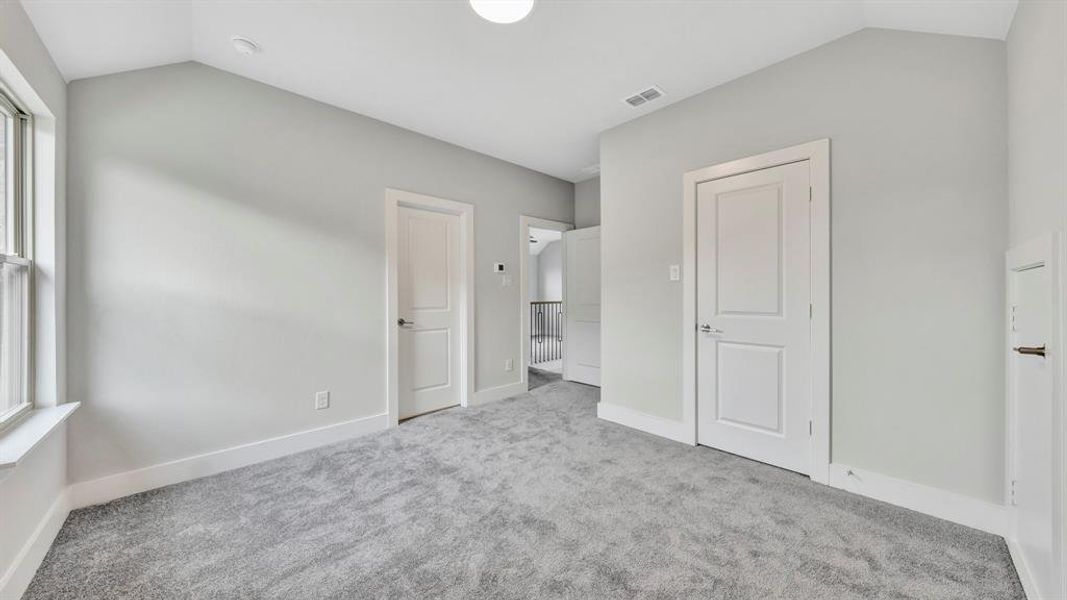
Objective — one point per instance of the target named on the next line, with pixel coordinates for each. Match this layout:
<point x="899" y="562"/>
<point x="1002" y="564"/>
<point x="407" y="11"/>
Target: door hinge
<point x="809" y="193"/>
<point x="811" y="428"/>
<point x="1011" y="492"/>
<point x="1013" y="307"/>
<point x="811" y="311"/>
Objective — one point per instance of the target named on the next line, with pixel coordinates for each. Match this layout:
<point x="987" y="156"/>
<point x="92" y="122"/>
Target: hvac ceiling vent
<point x="644" y="96"/>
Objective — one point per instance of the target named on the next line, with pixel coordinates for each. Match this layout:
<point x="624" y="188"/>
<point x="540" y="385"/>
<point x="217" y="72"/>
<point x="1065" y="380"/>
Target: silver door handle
<point x="705" y="328"/>
<point x="401" y="322"/>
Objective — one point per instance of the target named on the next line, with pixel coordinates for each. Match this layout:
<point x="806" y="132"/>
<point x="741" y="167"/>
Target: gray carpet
<point x="531" y="497"/>
<point x="540" y="377"/>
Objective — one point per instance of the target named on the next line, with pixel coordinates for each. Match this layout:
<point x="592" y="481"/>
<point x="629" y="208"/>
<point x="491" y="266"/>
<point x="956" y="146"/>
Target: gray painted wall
<point x="1037" y="119"/>
<point x="550" y="272"/>
<point x="918" y="131"/>
<point x="587" y="203"/>
<point x="227" y="260"/>
<point x="533" y="278"/>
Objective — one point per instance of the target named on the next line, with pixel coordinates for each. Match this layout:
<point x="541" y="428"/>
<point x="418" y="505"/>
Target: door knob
<point x="401" y="322"/>
<point x="706" y="328"/>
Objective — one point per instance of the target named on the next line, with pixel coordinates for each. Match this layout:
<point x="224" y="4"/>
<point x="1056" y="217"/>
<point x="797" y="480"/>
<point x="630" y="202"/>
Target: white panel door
<point x="429" y="284"/>
<point x="581" y="306"/>
<point x="1033" y="418"/>
<point x="754" y="326"/>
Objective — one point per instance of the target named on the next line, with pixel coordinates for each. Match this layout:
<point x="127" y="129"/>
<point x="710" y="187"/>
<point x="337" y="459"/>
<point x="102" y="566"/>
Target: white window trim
<point x="22" y="251"/>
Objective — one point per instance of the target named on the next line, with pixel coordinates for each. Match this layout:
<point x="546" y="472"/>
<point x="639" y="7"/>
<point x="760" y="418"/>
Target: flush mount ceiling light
<point x="502" y="11"/>
<point x="244" y="45"/>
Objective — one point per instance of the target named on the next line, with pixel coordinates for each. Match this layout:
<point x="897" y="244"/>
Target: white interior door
<point x="1030" y="293"/>
<point x="753" y="302"/>
<point x="429" y="294"/>
<point x="581" y="306"/>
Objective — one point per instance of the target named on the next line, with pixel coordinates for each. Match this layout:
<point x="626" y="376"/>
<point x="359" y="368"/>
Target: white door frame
<point x="1051" y="251"/>
<point x="525" y="223"/>
<point x="393" y="200"/>
<point x="818" y="155"/>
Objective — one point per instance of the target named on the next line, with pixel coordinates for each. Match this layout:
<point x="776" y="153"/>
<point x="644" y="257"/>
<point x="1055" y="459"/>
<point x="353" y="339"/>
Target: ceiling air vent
<point x="644" y="96"/>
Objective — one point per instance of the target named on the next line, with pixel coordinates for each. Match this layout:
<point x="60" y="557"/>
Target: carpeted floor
<point x="540" y="377"/>
<point x="531" y="497"/>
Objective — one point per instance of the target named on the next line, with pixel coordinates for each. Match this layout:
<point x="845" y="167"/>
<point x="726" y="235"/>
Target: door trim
<point x="393" y="200"/>
<point x="525" y="223"/>
<point x="818" y="155"/>
<point x="1049" y="251"/>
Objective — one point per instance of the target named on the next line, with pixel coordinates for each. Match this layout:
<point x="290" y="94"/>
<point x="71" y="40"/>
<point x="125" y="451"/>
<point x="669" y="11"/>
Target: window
<point x="15" y="265"/>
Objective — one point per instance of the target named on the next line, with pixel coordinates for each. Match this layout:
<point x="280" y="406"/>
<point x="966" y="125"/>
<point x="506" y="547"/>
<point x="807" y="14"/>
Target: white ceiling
<point x="536" y="93"/>
<point x="543" y="238"/>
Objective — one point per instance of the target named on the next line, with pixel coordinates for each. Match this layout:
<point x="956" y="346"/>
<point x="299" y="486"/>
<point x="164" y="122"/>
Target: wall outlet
<point x="674" y="273"/>
<point x="322" y="400"/>
<point x="509" y="365"/>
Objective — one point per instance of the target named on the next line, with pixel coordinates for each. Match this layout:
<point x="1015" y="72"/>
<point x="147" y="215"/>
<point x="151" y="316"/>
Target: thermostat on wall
<point x="498" y="267"/>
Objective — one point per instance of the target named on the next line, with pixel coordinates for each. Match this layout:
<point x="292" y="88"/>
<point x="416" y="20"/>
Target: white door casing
<point x="817" y="155"/>
<point x="581" y="307"/>
<point x="1035" y="477"/>
<point x="425" y="389"/>
<point x="753" y="305"/>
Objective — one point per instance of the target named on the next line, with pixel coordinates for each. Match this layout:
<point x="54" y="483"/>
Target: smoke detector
<point x="244" y="45"/>
<point x="644" y="96"/>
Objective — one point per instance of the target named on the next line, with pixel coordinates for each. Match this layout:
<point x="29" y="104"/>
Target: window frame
<point x="20" y="251"/>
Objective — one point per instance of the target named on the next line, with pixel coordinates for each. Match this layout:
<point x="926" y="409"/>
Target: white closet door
<point x="753" y="296"/>
<point x="429" y="280"/>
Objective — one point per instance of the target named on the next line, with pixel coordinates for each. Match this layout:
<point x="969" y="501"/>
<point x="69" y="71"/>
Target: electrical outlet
<point x="322" y="400"/>
<point x="674" y="273"/>
<point x="509" y="365"/>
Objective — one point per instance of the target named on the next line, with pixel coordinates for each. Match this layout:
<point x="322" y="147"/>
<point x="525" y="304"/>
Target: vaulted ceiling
<point x="536" y="93"/>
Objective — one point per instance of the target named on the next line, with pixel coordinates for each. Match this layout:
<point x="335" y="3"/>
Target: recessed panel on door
<point x="431" y="365"/>
<point x="428" y="300"/>
<point x="750" y="389"/>
<point x="428" y="240"/>
<point x="753" y="294"/>
<point x="750" y="251"/>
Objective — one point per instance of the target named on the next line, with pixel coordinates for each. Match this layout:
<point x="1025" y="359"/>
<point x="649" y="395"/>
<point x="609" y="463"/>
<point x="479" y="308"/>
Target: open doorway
<point x="543" y="294"/>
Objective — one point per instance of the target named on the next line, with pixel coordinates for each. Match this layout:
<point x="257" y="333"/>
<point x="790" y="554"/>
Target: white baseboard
<point x="972" y="512"/>
<point x="634" y="419"/>
<point x="499" y="393"/>
<point x="108" y="488"/>
<point x="1026" y="577"/>
<point x="18" y="577"/>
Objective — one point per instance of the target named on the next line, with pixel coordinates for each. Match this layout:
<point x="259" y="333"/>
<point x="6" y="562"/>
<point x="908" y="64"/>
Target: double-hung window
<point x="16" y="267"/>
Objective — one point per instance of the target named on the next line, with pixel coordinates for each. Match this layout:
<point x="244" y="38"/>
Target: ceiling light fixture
<point x="503" y="11"/>
<point x="244" y="45"/>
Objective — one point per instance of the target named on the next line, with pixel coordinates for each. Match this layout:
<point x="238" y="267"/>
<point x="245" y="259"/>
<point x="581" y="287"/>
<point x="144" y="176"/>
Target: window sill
<point x="28" y="432"/>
